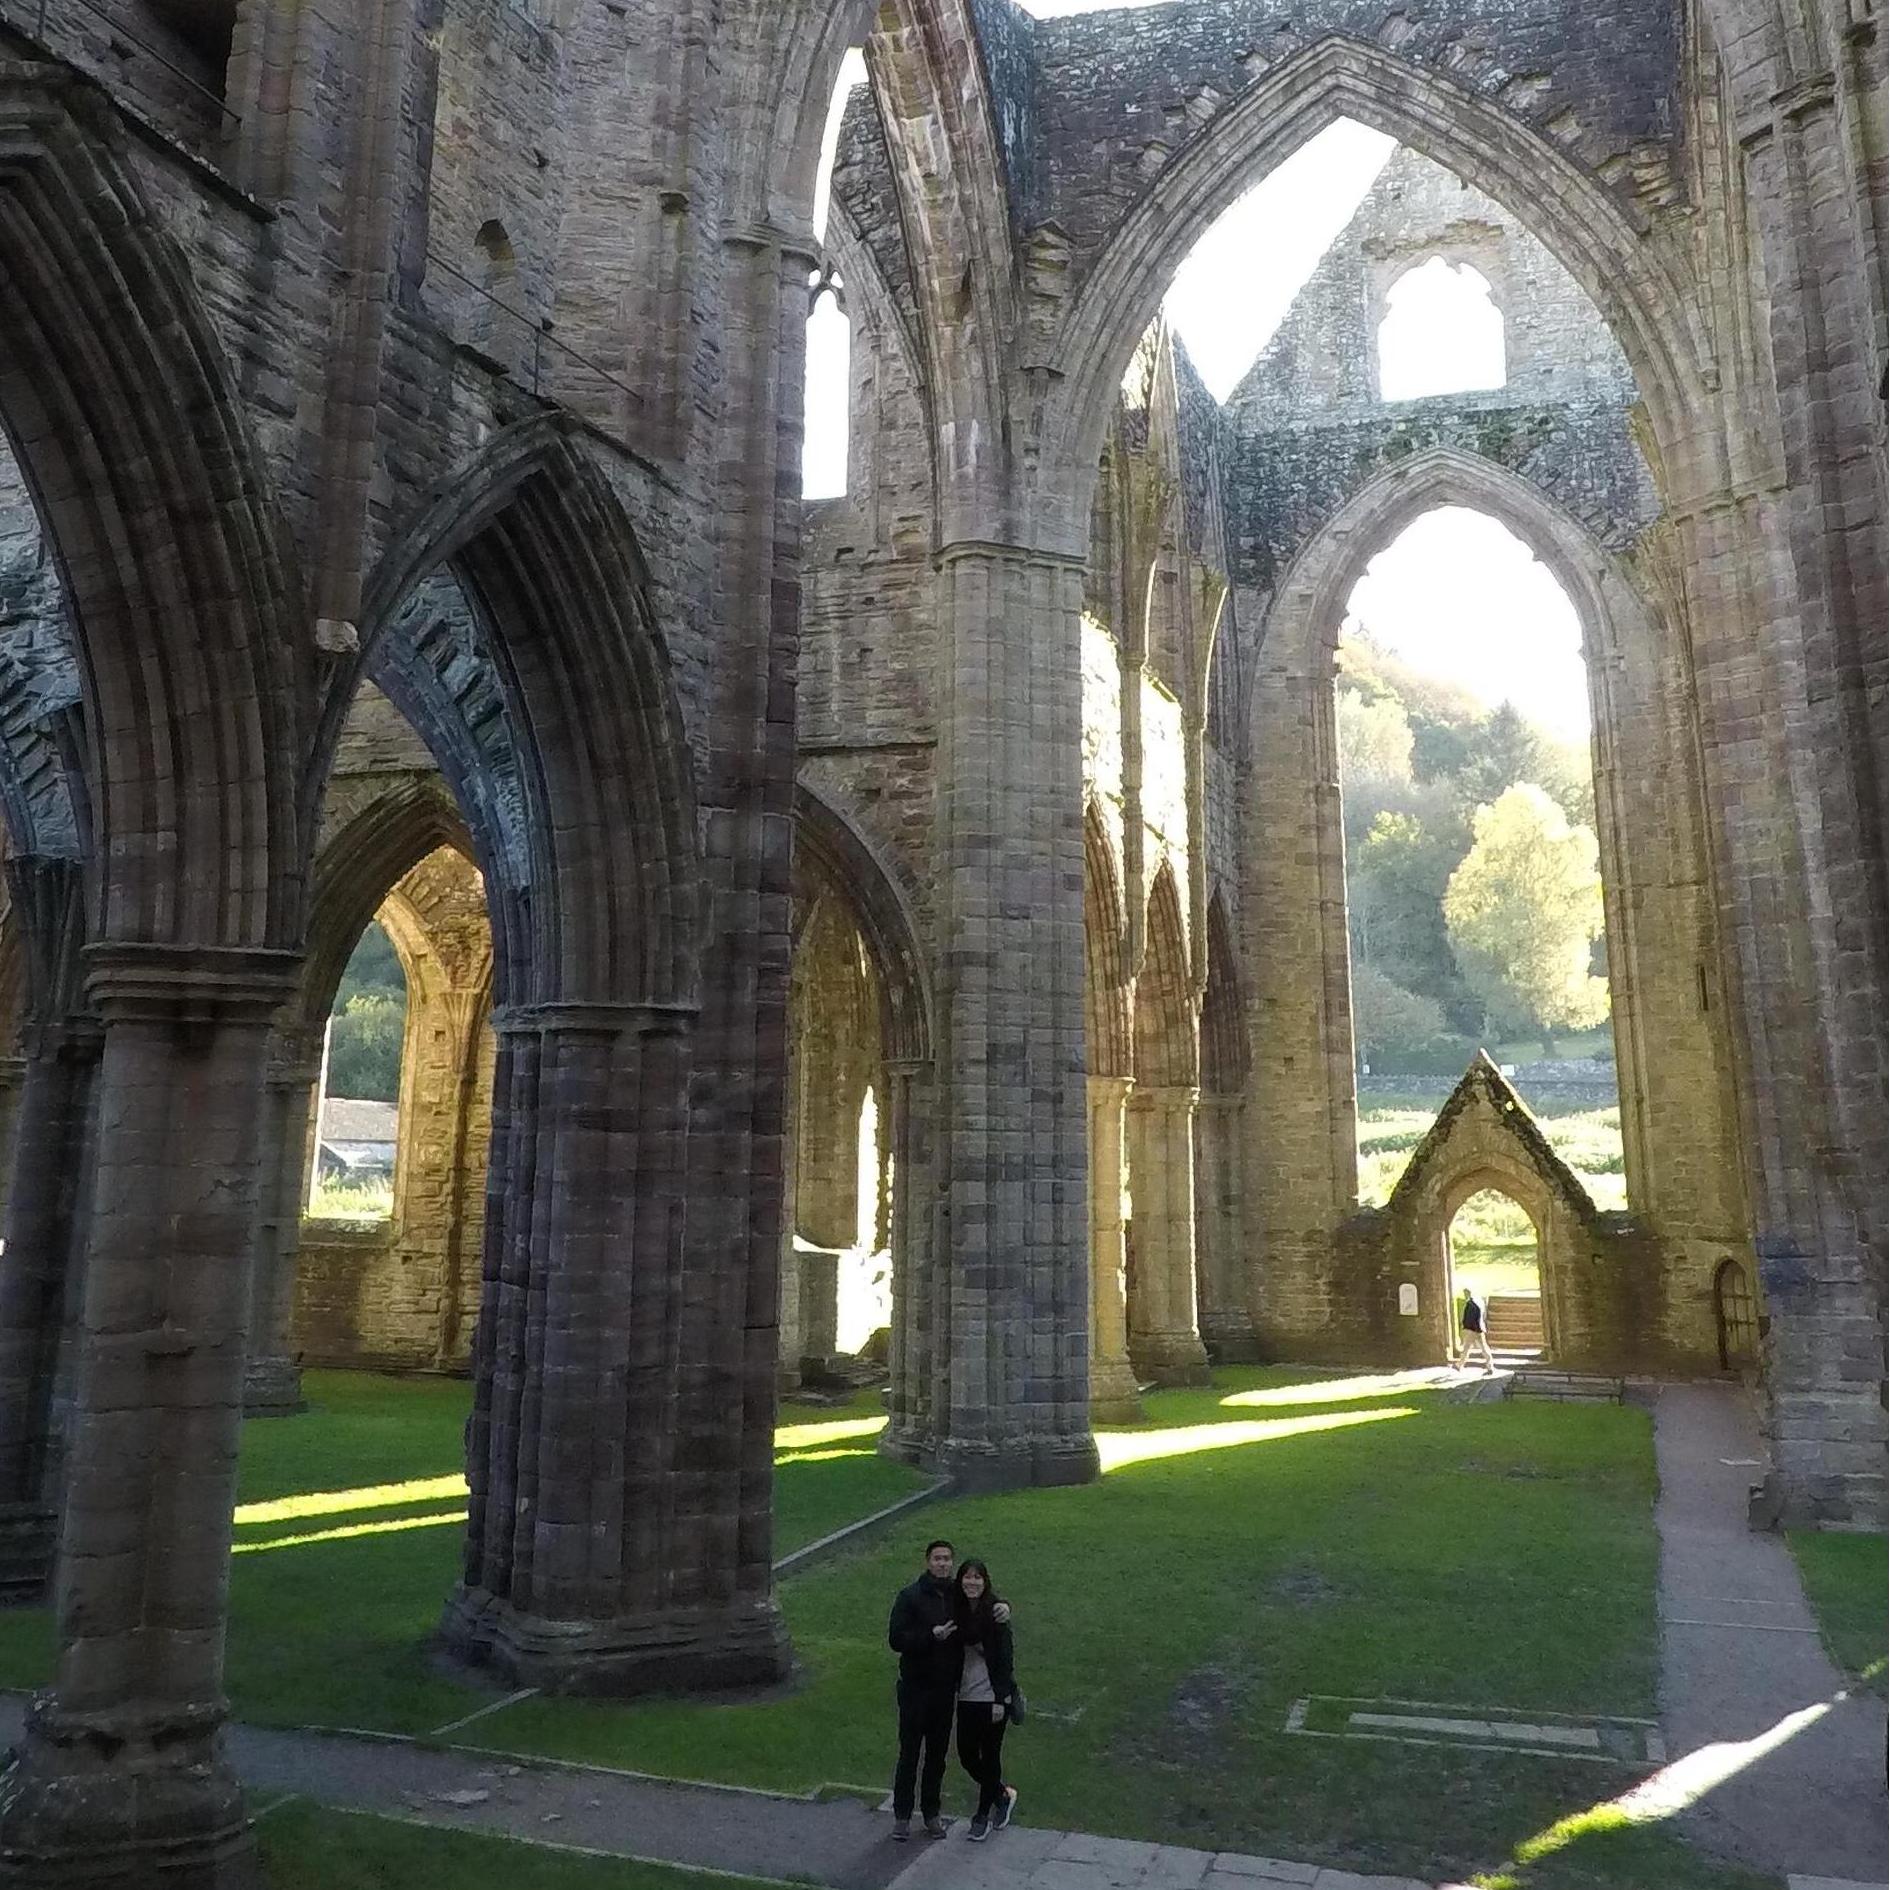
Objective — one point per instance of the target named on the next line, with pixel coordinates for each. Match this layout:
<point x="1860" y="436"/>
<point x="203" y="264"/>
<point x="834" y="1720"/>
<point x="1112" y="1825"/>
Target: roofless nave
<point x="404" y="407"/>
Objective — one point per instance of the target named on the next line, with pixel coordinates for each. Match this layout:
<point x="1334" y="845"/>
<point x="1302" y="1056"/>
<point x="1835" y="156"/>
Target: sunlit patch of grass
<point x="340" y="1199"/>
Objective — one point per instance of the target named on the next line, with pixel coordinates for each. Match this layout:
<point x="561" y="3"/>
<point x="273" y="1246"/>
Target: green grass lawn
<point x="1847" y="1578"/>
<point x="1280" y="1535"/>
<point x="349" y="1519"/>
<point x="307" y="1848"/>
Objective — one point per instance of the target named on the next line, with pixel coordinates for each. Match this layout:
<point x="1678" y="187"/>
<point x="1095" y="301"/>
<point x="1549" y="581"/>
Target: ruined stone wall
<point x="1307" y="425"/>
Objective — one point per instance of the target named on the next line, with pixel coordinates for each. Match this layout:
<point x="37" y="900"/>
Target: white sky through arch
<point x="1457" y="595"/>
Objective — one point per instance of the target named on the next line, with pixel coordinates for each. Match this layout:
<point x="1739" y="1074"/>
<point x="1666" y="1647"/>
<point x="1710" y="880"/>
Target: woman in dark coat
<point x="987" y="1686"/>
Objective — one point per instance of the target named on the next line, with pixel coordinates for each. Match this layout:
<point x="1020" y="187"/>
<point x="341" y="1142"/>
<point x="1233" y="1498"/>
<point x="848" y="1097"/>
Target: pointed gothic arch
<point x="198" y="668"/>
<point x="547" y="558"/>
<point x="1600" y="239"/>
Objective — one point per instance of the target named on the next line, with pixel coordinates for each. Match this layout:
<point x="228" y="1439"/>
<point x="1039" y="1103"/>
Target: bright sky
<point x="1456" y="595"/>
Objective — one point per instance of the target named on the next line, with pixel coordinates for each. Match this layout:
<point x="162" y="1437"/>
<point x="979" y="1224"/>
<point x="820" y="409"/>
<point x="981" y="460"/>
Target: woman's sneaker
<point x="1001" y="1816"/>
<point x="902" y="1830"/>
<point x="980" y="1830"/>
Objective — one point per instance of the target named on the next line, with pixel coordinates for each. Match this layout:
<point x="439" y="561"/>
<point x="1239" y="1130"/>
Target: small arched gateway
<point x="1602" y="1278"/>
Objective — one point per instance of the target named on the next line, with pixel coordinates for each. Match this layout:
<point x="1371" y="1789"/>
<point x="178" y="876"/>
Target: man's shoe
<point x="935" y="1827"/>
<point x="980" y="1830"/>
<point x="1001" y="1816"/>
<point x="902" y="1830"/>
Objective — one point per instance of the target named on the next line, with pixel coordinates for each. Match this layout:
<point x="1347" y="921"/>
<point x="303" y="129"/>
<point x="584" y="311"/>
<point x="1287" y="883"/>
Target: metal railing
<point x="541" y="333"/>
<point x="13" y="12"/>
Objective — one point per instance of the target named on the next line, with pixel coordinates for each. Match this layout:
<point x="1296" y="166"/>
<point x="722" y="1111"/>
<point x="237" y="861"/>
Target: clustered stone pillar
<point x="1113" y="1392"/>
<point x="1014" y="1241"/>
<point x="122" y="1774"/>
<point x="40" y="1273"/>
<point x="906" y="1135"/>
<point x="1226" y="1318"/>
<point x="1164" y="1335"/>
<point x="272" y="1384"/>
<point x="574" y="1450"/>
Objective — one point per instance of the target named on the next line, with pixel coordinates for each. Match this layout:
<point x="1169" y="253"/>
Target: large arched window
<point x="1442" y="333"/>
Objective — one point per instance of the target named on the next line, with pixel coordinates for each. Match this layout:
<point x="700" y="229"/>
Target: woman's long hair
<point x="976" y="1618"/>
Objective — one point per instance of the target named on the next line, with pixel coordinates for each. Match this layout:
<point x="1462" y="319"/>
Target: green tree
<point x="364" y="1048"/>
<point x="1387" y="1019"/>
<point x="1524" y="911"/>
<point x="1507" y="749"/>
<point x="1374" y="741"/>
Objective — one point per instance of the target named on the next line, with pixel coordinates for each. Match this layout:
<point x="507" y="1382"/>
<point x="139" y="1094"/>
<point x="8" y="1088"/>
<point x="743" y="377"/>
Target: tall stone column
<point x="272" y="1381"/>
<point x="1013" y="1246"/>
<point x="1226" y="1318"/>
<point x="906" y="1135"/>
<point x="1164" y="1335"/>
<point x="1824" y="1414"/>
<point x="1302" y="1123"/>
<point x="39" y="1277"/>
<point x="122" y="1775"/>
<point x="578" y="1461"/>
<point x="1113" y="1391"/>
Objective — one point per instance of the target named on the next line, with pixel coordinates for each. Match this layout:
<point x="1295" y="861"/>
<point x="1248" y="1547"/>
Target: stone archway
<point x="403" y="1294"/>
<point x="198" y="674"/>
<point x="889" y="1050"/>
<point x="1671" y="1029"/>
<point x="1640" y="285"/>
<point x="606" y="1313"/>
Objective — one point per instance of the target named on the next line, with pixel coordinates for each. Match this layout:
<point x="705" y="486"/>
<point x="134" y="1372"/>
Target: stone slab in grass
<point x="1610" y="1739"/>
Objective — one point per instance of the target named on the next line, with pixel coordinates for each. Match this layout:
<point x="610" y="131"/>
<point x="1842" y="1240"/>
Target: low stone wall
<point x="367" y="1302"/>
<point x="1594" y="1091"/>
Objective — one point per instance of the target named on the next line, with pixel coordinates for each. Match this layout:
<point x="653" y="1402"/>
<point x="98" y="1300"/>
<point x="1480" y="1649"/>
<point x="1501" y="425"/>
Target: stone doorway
<point x="1492" y="1248"/>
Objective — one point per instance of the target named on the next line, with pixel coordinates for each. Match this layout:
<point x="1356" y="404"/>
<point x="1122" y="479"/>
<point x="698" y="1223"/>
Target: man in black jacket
<point x="925" y="1637"/>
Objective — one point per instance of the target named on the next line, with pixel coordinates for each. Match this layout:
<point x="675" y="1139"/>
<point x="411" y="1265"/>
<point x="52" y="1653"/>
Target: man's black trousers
<point x="925" y="1728"/>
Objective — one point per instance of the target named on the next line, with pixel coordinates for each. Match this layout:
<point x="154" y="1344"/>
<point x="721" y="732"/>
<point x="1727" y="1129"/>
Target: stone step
<point x="1566" y="1387"/>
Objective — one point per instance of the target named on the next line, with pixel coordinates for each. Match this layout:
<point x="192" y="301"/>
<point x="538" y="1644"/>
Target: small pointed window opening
<point x="1442" y="333"/>
<point x="829" y="389"/>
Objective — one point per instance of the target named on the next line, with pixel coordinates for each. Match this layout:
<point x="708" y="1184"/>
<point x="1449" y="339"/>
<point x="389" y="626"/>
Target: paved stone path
<point x="1741" y="1661"/>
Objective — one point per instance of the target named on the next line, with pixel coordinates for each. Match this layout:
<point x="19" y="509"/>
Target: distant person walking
<point x="1472" y="1321"/>
<point x="987" y="1690"/>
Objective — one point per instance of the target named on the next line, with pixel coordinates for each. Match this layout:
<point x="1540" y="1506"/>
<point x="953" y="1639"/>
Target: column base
<point x="1026" y="1464"/>
<point x="678" y="1651"/>
<point x="114" y="1801"/>
<point x="905" y="1442"/>
<point x="1114" y="1396"/>
<point x="29" y="1545"/>
<point x="272" y="1387"/>
<point x="1170" y="1358"/>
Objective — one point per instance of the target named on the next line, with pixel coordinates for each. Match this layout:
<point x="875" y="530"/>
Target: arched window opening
<point x="1495" y="1255"/>
<point x="829" y="390"/>
<point x="1472" y="861"/>
<point x="358" y="1105"/>
<point x="1442" y="333"/>
<point x="495" y="318"/>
